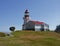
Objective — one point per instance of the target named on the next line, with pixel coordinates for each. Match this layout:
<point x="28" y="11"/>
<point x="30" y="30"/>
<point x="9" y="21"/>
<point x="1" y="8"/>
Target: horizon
<point x="12" y="13"/>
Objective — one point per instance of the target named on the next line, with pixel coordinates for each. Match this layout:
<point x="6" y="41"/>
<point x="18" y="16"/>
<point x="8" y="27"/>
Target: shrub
<point x="2" y="34"/>
<point x="12" y="28"/>
<point x="57" y="29"/>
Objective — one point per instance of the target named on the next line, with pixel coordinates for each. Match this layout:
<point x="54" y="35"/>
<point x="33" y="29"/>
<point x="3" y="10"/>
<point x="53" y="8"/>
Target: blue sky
<point x="12" y="12"/>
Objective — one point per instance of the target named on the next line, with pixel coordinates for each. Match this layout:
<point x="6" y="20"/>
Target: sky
<point x="12" y="12"/>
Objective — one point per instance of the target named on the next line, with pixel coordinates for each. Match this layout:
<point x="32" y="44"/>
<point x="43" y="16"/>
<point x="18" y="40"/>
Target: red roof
<point x="37" y="22"/>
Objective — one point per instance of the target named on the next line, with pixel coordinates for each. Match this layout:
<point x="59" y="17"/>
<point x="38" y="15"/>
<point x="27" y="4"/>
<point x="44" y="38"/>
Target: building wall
<point x="46" y="27"/>
<point x="29" y="26"/>
<point x="37" y="27"/>
<point x="41" y="27"/>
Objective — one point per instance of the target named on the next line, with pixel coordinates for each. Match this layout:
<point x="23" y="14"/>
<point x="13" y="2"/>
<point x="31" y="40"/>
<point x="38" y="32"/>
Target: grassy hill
<point x="31" y="38"/>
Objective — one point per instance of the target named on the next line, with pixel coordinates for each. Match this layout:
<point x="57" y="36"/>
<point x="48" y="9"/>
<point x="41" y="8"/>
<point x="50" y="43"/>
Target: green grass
<point x="31" y="38"/>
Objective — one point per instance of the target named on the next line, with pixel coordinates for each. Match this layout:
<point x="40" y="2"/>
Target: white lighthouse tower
<point x="26" y="17"/>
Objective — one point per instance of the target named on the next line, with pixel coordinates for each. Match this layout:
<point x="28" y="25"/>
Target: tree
<point x="57" y="29"/>
<point x="12" y="29"/>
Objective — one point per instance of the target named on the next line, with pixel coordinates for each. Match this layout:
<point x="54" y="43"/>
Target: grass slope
<point x="31" y="38"/>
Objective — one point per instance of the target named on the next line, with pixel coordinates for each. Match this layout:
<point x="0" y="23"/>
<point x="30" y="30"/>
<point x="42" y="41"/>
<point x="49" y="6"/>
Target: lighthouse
<point x="26" y="16"/>
<point x="33" y="25"/>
